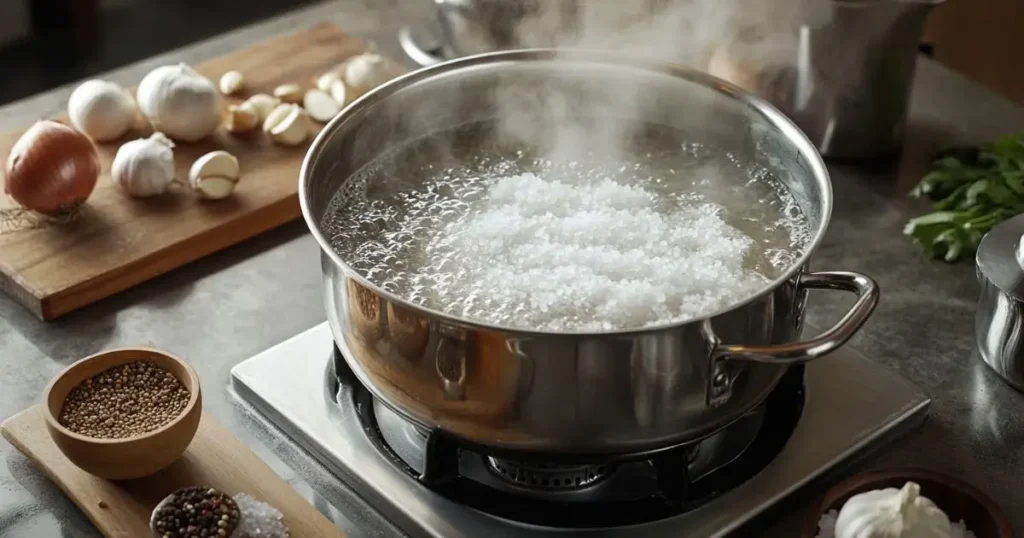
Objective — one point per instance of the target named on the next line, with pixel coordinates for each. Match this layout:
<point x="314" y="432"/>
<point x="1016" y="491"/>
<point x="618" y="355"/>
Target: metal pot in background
<point x="586" y="393"/>
<point x="846" y="82"/>
<point x="849" y="89"/>
<point x="999" y="322"/>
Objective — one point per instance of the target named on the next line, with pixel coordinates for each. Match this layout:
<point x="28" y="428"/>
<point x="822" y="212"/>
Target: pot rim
<point x="770" y="113"/>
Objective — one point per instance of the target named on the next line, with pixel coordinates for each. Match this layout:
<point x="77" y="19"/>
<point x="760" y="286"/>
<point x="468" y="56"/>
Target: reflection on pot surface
<point x="585" y="390"/>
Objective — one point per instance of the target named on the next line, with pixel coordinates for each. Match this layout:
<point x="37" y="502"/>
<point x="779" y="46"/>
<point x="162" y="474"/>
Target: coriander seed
<point x="124" y="401"/>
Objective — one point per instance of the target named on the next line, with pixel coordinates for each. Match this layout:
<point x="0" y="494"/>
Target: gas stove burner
<point x="434" y="486"/>
<point x="549" y="476"/>
<point x="551" y="490"/>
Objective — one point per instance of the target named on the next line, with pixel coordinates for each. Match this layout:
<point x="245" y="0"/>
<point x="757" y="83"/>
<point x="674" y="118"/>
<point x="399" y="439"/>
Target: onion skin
<point x="52" y="168"/>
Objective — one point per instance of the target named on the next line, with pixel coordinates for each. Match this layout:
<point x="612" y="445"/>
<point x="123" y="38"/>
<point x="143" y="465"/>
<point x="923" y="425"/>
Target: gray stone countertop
<point x="229" y="306"/>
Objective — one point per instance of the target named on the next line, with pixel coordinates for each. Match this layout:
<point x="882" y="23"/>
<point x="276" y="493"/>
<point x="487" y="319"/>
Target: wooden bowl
<point x="131" y="457"/>
<point x="958" y="499"/>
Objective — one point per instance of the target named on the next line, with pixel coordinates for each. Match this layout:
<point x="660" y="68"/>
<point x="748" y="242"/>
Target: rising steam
<point x="742" y="41"/>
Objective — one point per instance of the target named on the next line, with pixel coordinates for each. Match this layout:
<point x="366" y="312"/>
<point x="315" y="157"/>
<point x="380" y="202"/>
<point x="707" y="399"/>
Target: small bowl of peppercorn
<point x="195" y="511"/>
<point x="124" y="413"/>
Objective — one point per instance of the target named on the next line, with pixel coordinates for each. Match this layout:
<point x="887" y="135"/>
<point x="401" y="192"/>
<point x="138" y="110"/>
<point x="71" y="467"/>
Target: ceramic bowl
<point x="958" y="499"/>
<point x="132" y="457"/>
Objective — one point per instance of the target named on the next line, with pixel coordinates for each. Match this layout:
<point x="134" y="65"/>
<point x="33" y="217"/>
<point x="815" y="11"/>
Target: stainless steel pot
<point x="849" y="86"/>
<point x="581" y="393"/>
<point x="999" y="320"/>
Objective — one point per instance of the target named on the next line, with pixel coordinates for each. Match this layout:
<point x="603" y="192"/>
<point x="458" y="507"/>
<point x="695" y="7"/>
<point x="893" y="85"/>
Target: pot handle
<point x="797" y="352"/>
<point x="867" y="298"/>
<point x="413" y="49"/>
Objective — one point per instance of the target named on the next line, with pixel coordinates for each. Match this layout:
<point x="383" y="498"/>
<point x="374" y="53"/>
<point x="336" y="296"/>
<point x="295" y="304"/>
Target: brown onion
<point x="52" y="168"/>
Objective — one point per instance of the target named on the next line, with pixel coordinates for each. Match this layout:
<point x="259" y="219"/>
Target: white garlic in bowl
<point x="180" y="102"/>
<point x="144" y="167"/>
<point x="892" y="513"/>
<point x="102" y="110"/>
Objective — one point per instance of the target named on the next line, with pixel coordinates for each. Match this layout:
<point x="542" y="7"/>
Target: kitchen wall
<point x="14" y="21"/>
<point x="983" y="40"/>
<point x="73" y="39"/>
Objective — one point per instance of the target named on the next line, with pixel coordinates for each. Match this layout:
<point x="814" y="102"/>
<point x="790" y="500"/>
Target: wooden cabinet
<point x="983" y="40"/>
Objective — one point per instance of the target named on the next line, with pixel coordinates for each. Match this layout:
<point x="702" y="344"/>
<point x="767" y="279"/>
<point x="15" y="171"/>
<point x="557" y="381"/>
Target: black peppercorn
<point x="195" y="512"/>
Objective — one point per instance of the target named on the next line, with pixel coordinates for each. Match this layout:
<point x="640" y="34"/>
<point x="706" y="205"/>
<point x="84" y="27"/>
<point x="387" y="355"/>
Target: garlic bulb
<point x="367" y="71"/>
<point x="102" y="110"/>
<point x="180" y="102"/>
<point x="144" y="167"/>
<point x="892" y="513"/>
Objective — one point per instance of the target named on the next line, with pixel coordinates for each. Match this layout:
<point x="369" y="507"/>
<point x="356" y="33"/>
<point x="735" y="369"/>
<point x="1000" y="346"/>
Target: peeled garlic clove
<point x="102" y="110"/>
<point x="320" y="106"/>
<point x="263" y="104"/>
<point x="214" y="175"/>
<point x="214" y="188"/>
<point x="324" y="81"/>
<point x="231" y="82"/>
<point x="286" y="125"/>
<point x="144" y="167"/>
<point x="241" y="118"/>
<point x="367" y="71"/>
<point x="289" y="93"/>
<point x="339" y="93"/>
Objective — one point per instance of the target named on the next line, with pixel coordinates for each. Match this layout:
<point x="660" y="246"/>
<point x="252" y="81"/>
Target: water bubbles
<point x="528" y="242"/>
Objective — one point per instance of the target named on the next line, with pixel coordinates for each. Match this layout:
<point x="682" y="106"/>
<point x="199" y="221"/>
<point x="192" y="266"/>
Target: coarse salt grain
<point x="596" y="256"/>
<point x="258" y="519"/>
<point x="597" y="245"/>
<point x="827" y="526"/>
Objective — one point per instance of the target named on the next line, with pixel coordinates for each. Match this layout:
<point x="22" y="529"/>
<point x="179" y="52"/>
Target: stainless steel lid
<point x="999" y="320"/>
<point x="1000" y="257"/>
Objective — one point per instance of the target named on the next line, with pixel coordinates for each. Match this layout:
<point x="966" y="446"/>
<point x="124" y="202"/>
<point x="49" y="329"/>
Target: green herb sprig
<point x="973" y="188"/>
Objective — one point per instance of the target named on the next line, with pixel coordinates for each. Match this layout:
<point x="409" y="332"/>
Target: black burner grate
<point x="547" y="476"/>
<point x="628" y="491"/>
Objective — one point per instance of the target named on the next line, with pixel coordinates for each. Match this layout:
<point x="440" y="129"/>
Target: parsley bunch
<point x="973" y="188"/>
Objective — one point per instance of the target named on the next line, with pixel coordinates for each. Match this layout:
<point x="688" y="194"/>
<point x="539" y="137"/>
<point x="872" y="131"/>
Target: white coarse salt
<point x="258" y="519"/>
<point x="591" y="256"/>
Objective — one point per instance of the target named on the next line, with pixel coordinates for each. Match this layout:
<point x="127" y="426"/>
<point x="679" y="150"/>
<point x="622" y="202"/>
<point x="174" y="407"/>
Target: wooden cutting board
<point x="216" y="458"/>
<point x="118" y="242"/>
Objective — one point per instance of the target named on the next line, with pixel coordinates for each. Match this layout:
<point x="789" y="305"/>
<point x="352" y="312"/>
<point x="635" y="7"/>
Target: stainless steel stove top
<point x="851" y="404"/>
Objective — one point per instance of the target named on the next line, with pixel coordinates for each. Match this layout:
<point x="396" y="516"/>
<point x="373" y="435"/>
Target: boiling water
<point x="588" y="243"/>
